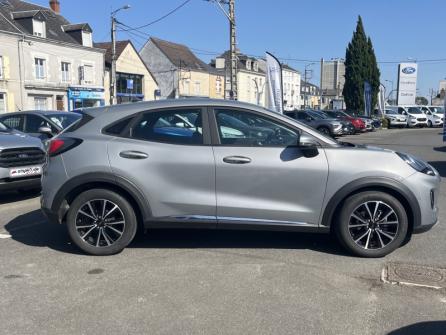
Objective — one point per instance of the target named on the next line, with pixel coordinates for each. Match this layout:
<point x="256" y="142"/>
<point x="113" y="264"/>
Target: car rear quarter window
<point x="179" y="126"/>
<point x="117" y="128"/>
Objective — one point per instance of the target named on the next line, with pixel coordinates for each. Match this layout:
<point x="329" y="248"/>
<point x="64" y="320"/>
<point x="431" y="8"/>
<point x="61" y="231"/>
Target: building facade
<point x="291" y="80"/>
<point x="251" y="83"/>
<point x="134" y="82"/>
<point x="332" y="82"/>
<point x="310" y="95"/>
<point x="179" y="73"/>
<point x="47" y="62"/>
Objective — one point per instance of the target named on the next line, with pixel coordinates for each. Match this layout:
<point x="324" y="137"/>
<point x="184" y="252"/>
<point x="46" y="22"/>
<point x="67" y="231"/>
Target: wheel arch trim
<point x="370" y="183"/>
<point x="104" y="178"/>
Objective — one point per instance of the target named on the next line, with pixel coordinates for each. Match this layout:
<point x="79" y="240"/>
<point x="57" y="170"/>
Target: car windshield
<point x="391" y="111"/>
<point x="437" y="110"/>
<point x="414" y="110"/>
<point x="4" y="128"/>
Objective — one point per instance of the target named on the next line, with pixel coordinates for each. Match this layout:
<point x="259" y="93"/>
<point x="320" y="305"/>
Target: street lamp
<point x="113" y="54"/>
<point x="391" y="91"/>
<point x="305" y="82"/>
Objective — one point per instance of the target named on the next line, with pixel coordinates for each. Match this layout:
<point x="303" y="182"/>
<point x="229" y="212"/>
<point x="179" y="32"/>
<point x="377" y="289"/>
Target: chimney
<point x="55" y="6"/>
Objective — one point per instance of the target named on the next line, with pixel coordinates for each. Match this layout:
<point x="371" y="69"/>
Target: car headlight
<point x="417" y="164"/>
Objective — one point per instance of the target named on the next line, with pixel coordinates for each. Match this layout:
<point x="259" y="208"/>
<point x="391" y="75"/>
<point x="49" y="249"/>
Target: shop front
<point x="129" y="88"/>
<point x="82" y="97"/>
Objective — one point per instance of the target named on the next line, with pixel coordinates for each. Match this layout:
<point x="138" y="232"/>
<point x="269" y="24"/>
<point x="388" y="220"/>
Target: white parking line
<point x="4" y="236"/>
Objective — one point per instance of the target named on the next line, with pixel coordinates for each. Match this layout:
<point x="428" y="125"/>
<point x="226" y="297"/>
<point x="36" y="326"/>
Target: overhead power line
<point x="136" y="32"/>
<point x="160" y="18"/>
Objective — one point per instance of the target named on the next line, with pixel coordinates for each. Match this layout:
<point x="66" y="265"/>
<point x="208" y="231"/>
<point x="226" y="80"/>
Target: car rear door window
<point x="14" y="121"/>
<point x="179" y="126"/>
<point x="240" y="128"/>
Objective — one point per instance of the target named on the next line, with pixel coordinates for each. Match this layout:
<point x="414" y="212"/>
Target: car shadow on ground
<point x="422" y="328"/>
<point x="441" y="149"/>
<point x="32" y="229"/>
<point x="14" y="196"/>
<point x="440" y="166"/>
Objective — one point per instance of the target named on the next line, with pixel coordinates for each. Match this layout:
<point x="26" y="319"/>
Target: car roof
<point x="169" y="103"/>
<point x="37" y="112"/>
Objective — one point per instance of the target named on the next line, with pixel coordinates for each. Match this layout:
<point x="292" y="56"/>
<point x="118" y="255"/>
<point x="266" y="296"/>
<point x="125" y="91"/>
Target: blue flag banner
<point x="444" y="123"/>
<point x="367" y="99"/>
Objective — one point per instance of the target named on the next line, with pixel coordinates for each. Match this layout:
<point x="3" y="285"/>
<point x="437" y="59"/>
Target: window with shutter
<point x="39" y="28"/>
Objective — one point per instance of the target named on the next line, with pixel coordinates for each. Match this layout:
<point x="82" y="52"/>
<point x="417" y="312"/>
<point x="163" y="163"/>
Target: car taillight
<point x="63" y="144"/>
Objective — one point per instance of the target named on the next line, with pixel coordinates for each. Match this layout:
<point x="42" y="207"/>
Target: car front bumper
<point x="427" y="190"/>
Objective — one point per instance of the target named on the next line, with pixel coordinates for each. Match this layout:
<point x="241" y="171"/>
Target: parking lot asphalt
<point x="217" y="282"/>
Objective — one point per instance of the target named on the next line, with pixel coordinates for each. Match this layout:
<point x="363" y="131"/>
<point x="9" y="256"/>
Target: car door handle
<point x="133" y="154"/>
<point x="237" y="160"/>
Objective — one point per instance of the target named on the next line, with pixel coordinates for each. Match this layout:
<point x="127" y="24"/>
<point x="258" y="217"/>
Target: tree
<point x="360" y="66"/>
<point x="421" y="101"/>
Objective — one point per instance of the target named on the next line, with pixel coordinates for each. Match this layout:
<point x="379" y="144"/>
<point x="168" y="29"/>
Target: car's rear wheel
<point x="371" y="224"/>
<point x="101" y="222"/>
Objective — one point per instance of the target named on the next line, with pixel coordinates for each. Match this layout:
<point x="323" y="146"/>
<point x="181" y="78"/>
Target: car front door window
<point x="240" y="128"/>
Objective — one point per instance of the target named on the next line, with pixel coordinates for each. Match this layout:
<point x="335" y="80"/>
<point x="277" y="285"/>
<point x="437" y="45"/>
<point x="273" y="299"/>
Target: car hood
<point x="16" y="139"/>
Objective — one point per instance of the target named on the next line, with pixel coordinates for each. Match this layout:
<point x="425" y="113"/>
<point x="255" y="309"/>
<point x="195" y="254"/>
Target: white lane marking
<point x="4" y="236"/>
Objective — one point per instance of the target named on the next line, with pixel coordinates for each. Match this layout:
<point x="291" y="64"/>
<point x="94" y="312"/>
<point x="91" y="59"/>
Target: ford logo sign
<point x="408" y="70"/>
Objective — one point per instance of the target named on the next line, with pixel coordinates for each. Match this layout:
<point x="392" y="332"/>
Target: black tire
<point x="344" y="231"/>
<point x="124" y="212"/>
<point x="325" y="130"/>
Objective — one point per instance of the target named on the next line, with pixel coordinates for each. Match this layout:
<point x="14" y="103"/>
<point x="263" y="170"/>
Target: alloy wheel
<point x="373" y="225"/>
<point x="100" y="222"/>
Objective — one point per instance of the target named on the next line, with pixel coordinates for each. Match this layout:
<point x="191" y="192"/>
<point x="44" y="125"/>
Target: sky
<point x="304" y="31"/>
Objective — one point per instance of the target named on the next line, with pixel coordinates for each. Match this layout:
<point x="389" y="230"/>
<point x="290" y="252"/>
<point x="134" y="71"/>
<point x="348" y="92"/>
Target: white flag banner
<point x="382" y="99"/>
<point x="274" y="78"/>
<point x="444" y="119"/>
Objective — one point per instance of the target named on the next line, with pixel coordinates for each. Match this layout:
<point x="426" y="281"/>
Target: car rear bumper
<point x="13" y="185"/>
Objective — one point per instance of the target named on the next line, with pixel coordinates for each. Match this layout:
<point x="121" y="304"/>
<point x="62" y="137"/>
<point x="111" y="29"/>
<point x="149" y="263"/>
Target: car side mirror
<point x="46" y="131"/>
<point x="308" y="146"/>
<point x="309" y="118"/>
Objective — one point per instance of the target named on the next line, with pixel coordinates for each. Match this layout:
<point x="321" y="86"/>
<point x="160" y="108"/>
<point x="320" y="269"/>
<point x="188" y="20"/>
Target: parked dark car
<point x="331" y="127"/>
<point x="347" y="127"/>
<point x="41" y="124"/>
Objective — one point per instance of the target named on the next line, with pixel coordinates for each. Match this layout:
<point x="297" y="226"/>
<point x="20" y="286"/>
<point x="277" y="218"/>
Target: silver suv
<point x="228" y="165"/>
<point x="21" y="160"/>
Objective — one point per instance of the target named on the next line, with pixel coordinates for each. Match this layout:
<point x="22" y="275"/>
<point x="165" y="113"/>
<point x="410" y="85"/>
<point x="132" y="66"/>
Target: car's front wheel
<point x="324" y="130"/>
<point x="101" y="222"/>
<point x="371" y="224"/>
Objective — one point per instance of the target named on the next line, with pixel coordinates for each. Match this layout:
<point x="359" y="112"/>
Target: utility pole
<point x="113" y="87"/>
<point x="230" y="71"/>
<point x="307" y="76"/>
<point x="113" y="63"/>
<point x="233" y="50"/>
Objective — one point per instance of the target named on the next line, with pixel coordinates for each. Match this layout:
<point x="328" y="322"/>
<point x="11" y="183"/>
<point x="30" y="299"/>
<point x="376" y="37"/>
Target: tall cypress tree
<point x="360" y="66"/>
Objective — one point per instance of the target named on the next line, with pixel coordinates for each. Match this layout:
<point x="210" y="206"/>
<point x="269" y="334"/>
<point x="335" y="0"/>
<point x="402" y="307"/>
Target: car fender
<point x="368" y="183"/>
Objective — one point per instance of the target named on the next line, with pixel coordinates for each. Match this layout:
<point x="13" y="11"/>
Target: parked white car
<point x="435" y="115"/>
<point x="395" y="119"/>
<point x="415" y="116"/>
